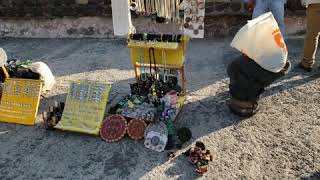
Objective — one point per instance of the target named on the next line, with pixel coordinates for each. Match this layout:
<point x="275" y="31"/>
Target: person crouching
<point x="248" y="81"/>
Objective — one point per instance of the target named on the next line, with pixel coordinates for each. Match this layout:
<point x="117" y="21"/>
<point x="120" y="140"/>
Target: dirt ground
<point x="281" y="142"/>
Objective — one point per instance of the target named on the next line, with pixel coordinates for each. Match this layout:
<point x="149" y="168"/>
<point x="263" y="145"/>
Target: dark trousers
<point x="248" y="79"/>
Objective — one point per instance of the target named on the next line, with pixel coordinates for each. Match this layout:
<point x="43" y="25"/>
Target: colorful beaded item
<point x="113" y="128"/>
<point x="136" y="129"/>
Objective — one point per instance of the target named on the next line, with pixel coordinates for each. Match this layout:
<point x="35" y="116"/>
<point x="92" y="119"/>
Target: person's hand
<point x="251" y="4"/>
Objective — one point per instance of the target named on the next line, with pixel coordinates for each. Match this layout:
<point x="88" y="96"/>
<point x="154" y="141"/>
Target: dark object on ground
<point x="177" y="140"/>
<point x="184" y="134"/>
<point x="201" y="145"/>
<point x="307" y="69"/>
<point x="171" y="142"/>
<point x="52" y="117"/>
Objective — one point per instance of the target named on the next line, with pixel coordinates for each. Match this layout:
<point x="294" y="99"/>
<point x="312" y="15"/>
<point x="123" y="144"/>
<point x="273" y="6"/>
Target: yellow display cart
<point x="169" y="55"/>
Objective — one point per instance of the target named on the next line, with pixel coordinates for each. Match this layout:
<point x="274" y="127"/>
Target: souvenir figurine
<point x="196" y="32"/>
<point x="200" y="157"/>
<point x="201" y="19"/>
<point x="194" y="10"/>
<point x="190" y="27"/>
<point x="201" y="5"/>
<point x="187" y="11"/>
<point x="194" y="3"/>
<point x="194" y="19"/>
<point x="188" y="19"/>
<point x="186" y="25"/>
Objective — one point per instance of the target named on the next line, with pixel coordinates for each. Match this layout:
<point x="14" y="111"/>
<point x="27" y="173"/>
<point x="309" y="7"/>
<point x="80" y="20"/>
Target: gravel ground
<point x="281" y="142"/>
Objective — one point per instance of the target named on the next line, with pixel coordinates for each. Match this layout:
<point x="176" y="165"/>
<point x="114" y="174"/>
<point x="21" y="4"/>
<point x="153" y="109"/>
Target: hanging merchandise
<point x="178" y="38"/>
<point x="168" y="9"/>
<point x="121" y="16"/>
<point x="156" y="136"/>
<point x="171" y="99"/>
<point x="113" y="128"/>
<point x="136" y="129"/>
<point x="194" y="12"/>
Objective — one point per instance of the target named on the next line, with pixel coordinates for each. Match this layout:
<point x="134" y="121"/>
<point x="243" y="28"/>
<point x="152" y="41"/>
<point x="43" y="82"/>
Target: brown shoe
<point x="307" y="69"/>
<point x="243" y="108"/>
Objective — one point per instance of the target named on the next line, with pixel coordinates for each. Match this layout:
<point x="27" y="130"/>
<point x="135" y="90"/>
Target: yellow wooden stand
<point x="174" y="52"/>
<point x="174" y="59"/>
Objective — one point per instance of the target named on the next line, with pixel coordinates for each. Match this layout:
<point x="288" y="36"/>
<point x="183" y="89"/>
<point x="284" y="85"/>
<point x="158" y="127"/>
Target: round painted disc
<point x="136" y="129"/>
<point x="113" y="128"/>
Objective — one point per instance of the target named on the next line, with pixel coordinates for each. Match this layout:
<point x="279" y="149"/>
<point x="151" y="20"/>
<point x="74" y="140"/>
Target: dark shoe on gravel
<point x="244" y="109"/>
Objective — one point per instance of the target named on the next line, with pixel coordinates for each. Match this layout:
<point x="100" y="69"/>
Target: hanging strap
<point x="143" y="76"/>
<point x="152" y="56"/>
<point x="164" y="59"/>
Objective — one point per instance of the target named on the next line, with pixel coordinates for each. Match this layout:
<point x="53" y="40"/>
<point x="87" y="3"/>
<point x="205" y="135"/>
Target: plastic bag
<point x="261" y="40"/>
<point x="3" y="57"/>
<point x="45" y="74"/>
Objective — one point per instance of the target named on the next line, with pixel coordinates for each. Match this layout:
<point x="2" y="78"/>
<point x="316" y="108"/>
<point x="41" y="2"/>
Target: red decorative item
<point x="136" y="129"/>
<point x="113" y="128"/>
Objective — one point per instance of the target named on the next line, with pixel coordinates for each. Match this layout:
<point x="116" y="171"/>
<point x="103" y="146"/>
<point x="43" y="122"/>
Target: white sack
<point x="261" y="40"/>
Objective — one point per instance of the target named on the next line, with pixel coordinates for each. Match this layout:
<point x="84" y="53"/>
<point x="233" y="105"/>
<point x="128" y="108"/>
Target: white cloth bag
<point x="45" y="74"/>
<point x="261" y="40"/>
<point x="3" y="57"/>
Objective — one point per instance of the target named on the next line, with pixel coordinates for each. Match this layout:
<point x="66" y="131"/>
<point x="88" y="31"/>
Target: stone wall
<point x="102" y="8"/>
<point x="93" y="18"/>
<point x="54" y="8"/>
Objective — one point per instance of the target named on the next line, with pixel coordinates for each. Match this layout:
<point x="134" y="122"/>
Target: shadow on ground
<point x="315" y="176"/>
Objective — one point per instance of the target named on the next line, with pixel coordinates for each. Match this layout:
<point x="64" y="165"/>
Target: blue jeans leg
<point x="275" y="6"/>
<point x="277" y="9"/>
<point x="261" y="8"/>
